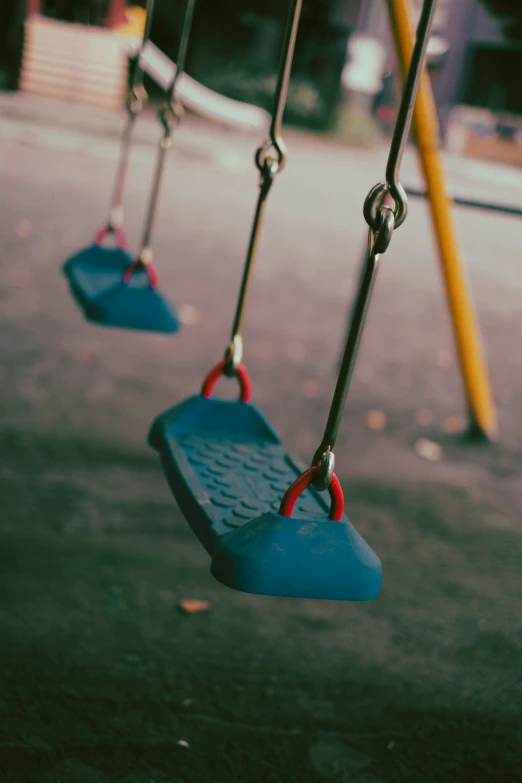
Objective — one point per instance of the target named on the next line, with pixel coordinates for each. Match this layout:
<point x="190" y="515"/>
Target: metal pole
<point x="504" y="209"/>
<point x="483" y="419"/>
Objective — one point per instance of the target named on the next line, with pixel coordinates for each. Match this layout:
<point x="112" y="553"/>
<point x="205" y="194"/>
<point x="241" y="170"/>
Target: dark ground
<point x="100" y="676"/>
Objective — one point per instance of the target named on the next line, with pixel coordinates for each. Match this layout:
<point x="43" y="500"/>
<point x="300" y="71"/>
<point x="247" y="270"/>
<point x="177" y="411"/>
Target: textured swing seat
<point x="228" y="471"/>
<point x="95" y="278"/>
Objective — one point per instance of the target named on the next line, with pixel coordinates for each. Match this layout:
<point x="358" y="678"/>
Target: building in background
<point x="481" y="64"/>
<point x="477" y="89"/>
<point x="474" y="72"/>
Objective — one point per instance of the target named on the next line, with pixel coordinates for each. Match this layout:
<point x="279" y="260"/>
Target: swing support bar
<point x="482" y="413"/>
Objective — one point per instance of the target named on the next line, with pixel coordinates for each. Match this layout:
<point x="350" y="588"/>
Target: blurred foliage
<point x="509" y="12"/>
<point x="236" y="46"/>
<point x="84" y="11"/>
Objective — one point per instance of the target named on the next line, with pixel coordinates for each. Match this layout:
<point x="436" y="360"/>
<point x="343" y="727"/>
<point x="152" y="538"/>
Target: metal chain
<point x="136" y="99"/>
<point x="170" y="115"/>
<point x="382" y="220"/>
<point x="270" y="159"/>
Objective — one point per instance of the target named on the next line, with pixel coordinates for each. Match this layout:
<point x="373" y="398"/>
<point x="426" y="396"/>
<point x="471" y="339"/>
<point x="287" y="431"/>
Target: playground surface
<point x="102" y="678"/>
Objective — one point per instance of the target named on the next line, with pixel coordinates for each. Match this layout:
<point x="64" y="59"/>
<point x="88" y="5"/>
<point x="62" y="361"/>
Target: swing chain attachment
<point x="270" y="159"/>
<point x="392" y="186"/>
<point x="273" y="152"/>
<point x="234" y="352"/>
<point x="382" y="219"/>
<point x="170" y="115"/>
<point x="137" y="97"/>
<point x="233" y="356"/>
<point x="378" y="241"/>
<point x="325" y="464"/>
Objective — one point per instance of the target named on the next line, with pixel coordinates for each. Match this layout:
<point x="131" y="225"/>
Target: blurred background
<point x="102" y="677"/>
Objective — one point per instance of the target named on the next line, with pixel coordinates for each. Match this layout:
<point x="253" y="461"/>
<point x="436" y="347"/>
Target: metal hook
<point x="392" y="186"/>
<point x="169" y="114"/>
<point x="378" y="241"/>
<point x="136" y="99"/>
<point x="326" y="464"/>
<point x="275" y="141"/>
<point x="270" y="159"/>
<point x="375" y="201"/>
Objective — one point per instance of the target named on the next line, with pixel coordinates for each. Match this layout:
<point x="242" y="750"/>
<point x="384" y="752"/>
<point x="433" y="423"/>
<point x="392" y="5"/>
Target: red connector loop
<point x="304" y="481"/>
<point x="119" y="235"/>
<point x="153" y="275"/>
<point x="216" y="372"/>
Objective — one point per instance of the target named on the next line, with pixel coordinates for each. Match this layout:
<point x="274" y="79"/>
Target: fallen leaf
<point x="183" y="743"/>
<point x="193" y="605"/>
<point x="428" y="450"/>
<point x="424" y="417"/>
<point x="188" y="314"/>
<point x="310" y="388"/>
<point x="23" y="229"/>
<point x="454" y="424"/>
<point x="375" y="420"/>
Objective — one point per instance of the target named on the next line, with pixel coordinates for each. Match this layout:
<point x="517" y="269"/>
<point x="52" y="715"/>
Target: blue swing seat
<point x="228" y="471"/>
<point x="92" y="270"/>
<point x="95" y="278"/>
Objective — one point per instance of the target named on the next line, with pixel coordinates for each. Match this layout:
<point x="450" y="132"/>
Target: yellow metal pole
<point x="482" y="411"/>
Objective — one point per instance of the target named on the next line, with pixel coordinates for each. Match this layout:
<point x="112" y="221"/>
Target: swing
<point x="110" y="287"/>
<point x="254" y="507"/>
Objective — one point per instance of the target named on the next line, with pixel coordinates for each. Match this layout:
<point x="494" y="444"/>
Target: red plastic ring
<point x="245" y="384"/>
<point x="304" y="481"/>
<point x="119" y="233"/>
<point x="153" y="275"/>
